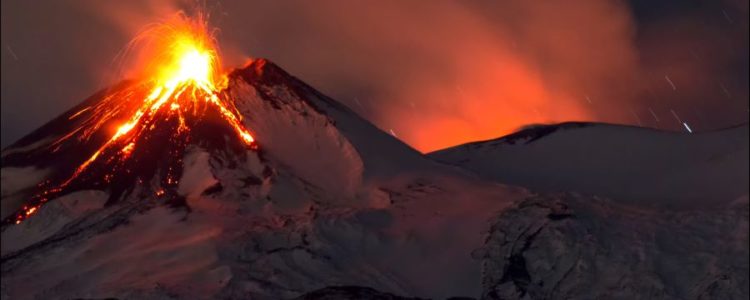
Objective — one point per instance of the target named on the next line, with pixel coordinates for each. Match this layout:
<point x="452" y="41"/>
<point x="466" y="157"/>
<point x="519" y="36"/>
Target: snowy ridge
<point x="383" y="154"/>
<point x="648" y="166"/>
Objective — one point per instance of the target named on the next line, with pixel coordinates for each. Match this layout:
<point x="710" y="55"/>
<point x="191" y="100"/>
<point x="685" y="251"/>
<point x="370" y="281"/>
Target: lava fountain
<point x="179" y="85"/>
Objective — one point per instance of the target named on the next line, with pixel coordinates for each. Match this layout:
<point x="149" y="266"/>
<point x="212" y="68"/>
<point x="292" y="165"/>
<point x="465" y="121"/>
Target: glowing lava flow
<point x="182" y="78"/>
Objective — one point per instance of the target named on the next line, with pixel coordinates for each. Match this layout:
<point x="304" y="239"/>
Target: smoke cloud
<point x="441" y="74"/>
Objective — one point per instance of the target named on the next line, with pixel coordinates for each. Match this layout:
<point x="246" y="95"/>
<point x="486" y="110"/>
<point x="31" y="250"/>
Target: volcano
<point x="324" y="204"/>
<point x="320" y="204"/>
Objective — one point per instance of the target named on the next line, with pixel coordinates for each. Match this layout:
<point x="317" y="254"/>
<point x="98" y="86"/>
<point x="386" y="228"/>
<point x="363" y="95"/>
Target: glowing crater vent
<point x="179" y="79"/>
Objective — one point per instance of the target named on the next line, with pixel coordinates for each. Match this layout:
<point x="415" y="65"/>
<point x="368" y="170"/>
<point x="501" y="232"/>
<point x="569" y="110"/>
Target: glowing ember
<point x="180" y="80"/>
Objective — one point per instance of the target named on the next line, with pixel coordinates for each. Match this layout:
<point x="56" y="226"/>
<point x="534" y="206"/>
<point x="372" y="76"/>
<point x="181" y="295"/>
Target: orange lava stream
<point x="182" y="73"/>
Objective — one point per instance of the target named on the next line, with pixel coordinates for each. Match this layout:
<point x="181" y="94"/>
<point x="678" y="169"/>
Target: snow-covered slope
<point x="328" y="200"/>
<point x="330" y="207"/>
<point x="626" y="163"/>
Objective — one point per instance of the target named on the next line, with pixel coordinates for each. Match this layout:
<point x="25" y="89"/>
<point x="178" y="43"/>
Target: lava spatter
<point x="180" y="90"/>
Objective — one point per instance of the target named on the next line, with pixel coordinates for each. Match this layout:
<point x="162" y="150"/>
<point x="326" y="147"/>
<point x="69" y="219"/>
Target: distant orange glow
<point x="499" y="99"/>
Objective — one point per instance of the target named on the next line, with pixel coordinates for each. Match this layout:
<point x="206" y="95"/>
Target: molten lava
<point x="180" y="81"/>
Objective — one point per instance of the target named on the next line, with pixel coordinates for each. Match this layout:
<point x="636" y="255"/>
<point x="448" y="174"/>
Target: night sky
<point x="434" y="76"/>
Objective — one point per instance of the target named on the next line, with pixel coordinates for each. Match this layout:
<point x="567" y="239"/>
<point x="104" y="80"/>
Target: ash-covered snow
<point x="332" y="208"/>
<point x="573" y="247"/>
